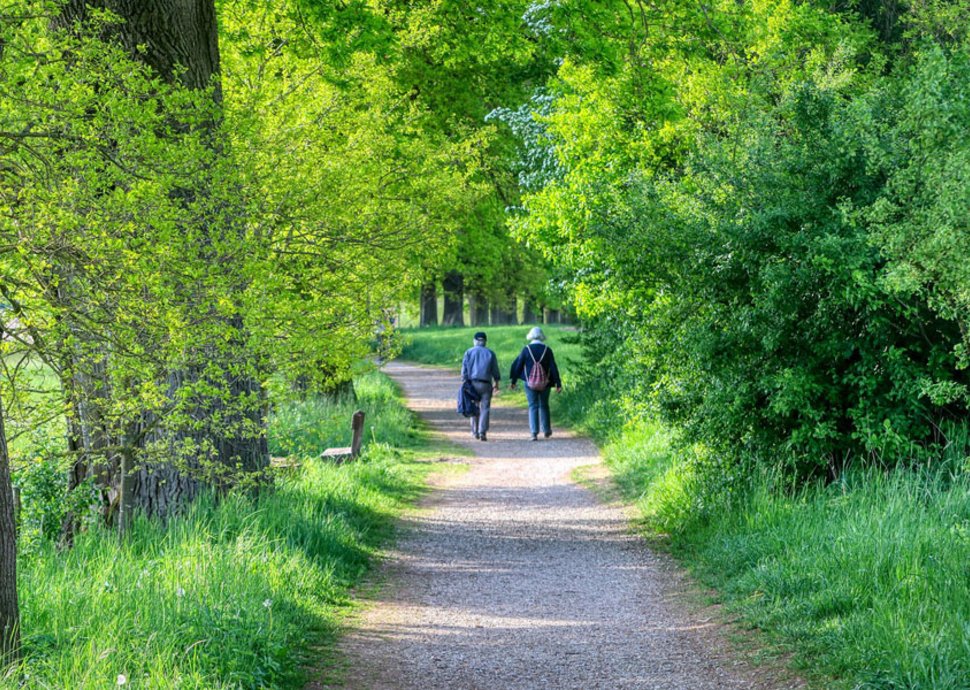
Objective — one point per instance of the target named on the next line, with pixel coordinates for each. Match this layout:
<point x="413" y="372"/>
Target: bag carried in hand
<point x="468" y="399"/>
<point x="538" y="379"/>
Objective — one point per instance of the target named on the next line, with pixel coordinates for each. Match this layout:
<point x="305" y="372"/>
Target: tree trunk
<point x="429" y="305"/>
<point x="511" y="311"/>
<point x="173" y="37"/>
<point x="178" y="39"/>
<point x="478" y="308"/>
<point x="87" y="392"/>
<point x="551" y="315"/>
<point x="9" y="607"/>
<point x="454" y="289"/>
<point x="529" y="314"/>
<point x="501" y="316"/>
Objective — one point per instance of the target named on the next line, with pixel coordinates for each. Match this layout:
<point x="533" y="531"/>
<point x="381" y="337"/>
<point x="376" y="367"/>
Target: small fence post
<point x="357" y="424"/>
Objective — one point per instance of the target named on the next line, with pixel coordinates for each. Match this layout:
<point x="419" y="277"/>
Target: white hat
<point x="536" y="334"/>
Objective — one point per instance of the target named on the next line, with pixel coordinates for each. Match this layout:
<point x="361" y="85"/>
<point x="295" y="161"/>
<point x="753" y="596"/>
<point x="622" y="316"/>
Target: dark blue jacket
<point x="468" y="399"/>
<point x="523" y="364"/>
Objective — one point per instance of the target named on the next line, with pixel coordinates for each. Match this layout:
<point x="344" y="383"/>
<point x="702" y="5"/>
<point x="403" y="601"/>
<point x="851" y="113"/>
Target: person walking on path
<point x="479" y="366"/>
<point x="537" y="383"/>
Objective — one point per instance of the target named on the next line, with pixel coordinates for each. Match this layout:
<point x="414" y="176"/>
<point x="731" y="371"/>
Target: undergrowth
<point x="233" y="593"/>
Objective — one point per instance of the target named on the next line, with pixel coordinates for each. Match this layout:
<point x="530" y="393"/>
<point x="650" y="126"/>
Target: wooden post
<point x="340" y="455"/>
<point x="357" y="425"/>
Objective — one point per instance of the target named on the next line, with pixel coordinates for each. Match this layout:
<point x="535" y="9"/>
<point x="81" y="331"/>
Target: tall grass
<point x="233" y="593"/>
<point x="303" y="427"/>
<point x="866" y="581"/>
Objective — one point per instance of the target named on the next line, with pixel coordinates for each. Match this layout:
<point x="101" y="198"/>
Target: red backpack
<point x="538" y="379"/>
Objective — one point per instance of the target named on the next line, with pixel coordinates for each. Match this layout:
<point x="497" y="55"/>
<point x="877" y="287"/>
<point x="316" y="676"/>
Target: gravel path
<point x="515" y="577"/>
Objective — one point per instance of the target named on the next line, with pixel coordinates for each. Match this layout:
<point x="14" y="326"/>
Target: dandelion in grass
<point x="122" y="679"/>
<point x="268" y="603"/>
<point x="180" y="592"/>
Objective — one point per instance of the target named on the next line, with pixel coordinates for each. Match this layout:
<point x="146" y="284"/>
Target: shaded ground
<point x="516" y="577"/>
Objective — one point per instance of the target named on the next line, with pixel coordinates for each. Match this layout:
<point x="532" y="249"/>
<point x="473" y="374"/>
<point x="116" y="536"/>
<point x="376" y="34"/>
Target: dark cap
<point x="481" y="336"/>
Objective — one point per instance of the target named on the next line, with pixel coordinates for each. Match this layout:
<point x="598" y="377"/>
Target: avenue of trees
<point x="758" y="210"/>
<point x="197" y="198"/>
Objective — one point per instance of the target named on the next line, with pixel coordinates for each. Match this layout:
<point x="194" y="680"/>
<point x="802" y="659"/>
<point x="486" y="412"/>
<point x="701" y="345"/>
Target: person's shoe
<point x="547" y="434"/>
<point x="535" y="437"/>
<point x="482" y="437"/>
<point x="475" y="434"/>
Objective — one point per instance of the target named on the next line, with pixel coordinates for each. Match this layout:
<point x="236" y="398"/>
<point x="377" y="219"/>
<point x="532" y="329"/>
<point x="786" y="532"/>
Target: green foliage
<point x="166" y="250"/>
<point x="763" y="222"/>
<point x="232" y="593"/>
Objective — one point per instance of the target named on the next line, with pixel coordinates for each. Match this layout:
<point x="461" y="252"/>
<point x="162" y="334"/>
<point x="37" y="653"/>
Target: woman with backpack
<point x="536" y="366"/>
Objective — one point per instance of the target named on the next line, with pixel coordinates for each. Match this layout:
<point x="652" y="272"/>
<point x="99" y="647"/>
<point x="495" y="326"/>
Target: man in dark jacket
<point x="537" y="353"/>
<point x="480" y="367"/>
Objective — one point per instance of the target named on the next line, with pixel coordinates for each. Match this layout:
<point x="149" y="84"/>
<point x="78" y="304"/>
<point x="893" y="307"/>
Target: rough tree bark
<point x="9" y="606"/>
<point x="429" y="304"/>
<point x="454" y="308"/>
<point x="178" y="39"/>
<point x="165" y="34"/>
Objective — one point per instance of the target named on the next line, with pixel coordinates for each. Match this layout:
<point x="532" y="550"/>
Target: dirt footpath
<point x="516" y="577"/>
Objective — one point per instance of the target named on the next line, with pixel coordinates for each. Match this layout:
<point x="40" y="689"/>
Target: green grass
<point x="866" y="580"/>
<point x="865" y="583"/>
<point x="302" y="427"/>
<point x="234" y="593"/>
<point x="446" y="346"/>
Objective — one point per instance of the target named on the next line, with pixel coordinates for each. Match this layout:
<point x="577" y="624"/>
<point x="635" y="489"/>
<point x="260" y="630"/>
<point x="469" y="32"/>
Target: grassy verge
<point x="233" y="593"/>
<point x="865" y="582"/>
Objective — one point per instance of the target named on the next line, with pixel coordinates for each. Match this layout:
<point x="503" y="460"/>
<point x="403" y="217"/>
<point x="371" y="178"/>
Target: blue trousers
<point x="538" y="410"/>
